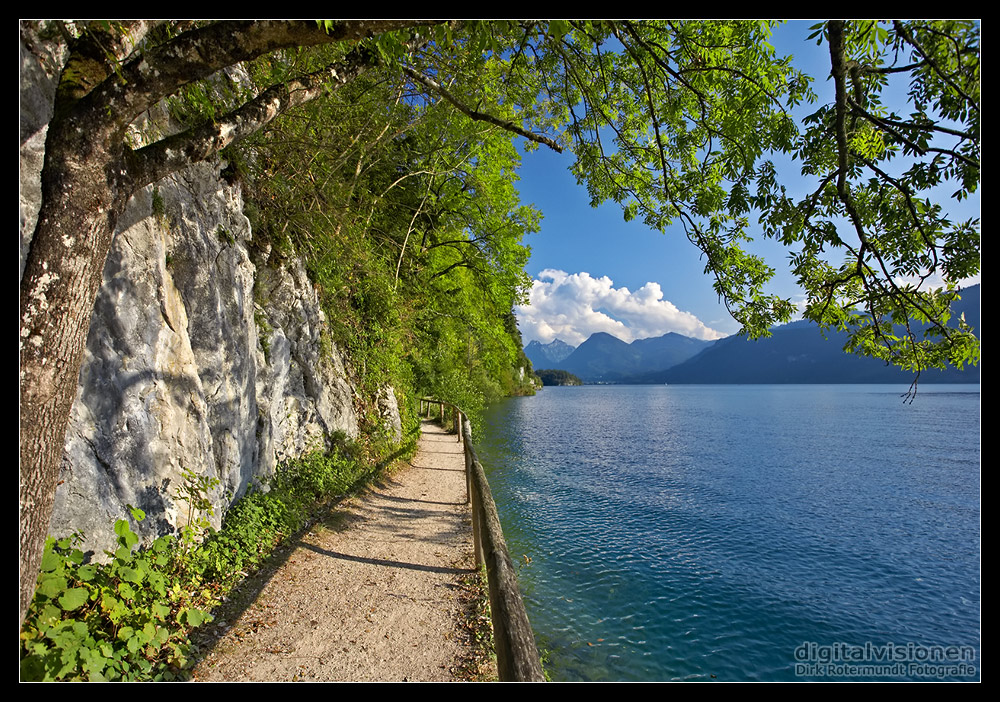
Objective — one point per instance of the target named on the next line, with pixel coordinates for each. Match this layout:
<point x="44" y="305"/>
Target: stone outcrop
<point x="205" y="353"/>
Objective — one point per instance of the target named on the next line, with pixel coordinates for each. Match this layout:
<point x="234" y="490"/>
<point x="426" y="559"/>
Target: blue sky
<point x="600" y="273"/>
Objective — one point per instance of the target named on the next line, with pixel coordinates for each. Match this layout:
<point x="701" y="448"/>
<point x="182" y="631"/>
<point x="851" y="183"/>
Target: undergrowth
<point x="131" y="618"/>
<point x="479" y="664"/>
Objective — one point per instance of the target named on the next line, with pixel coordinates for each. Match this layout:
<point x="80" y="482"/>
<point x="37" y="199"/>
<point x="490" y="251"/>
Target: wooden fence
<point x="517" y="655"/>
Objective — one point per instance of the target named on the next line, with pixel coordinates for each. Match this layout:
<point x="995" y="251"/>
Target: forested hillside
<point x="408" y="222"/>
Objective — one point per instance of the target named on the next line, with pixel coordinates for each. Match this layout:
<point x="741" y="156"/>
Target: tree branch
<point x="839" y="72"/>
<point x="163" y="69"/>
<point x="888" y="125"/>
<point x="96" y="54"/>
<point x="910" y="125"/>
<point x="157" y="160"/>
<point x="908" y="38"/>
<point x="433" y="85"/>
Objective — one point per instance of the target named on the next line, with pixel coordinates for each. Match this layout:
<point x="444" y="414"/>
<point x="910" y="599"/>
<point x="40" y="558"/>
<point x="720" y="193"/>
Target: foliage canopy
<point x="680" y="123"/>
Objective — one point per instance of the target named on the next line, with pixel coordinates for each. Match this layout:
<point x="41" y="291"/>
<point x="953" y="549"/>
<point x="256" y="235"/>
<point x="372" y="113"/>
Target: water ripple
<point x="738" y="524"/>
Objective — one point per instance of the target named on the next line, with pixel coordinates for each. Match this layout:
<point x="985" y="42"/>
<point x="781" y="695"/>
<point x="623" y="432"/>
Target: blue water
<point x="715" y="532"/>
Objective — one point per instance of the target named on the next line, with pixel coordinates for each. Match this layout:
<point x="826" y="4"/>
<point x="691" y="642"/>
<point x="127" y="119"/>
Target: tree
<point x="674" y="120"/>
<point x="677" y="121"/>
<point x="113" y="74"/>
<point x="879" y="178"/>
<point x="408" y="221"/>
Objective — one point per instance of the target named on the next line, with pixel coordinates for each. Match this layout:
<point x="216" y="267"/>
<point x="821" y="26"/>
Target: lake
<point x="770" y="532"/>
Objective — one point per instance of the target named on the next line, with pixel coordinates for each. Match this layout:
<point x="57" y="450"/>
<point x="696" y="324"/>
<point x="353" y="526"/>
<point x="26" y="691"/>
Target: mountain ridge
<point x="797" y="352"/>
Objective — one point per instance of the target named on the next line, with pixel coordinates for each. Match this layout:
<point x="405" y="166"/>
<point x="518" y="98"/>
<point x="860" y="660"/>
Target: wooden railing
<point x="517" y="655"/>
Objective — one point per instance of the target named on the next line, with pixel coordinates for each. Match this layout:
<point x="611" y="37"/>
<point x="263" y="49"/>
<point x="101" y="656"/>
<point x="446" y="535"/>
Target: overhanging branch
<point x="507" y="125"/>
<point x="909" y="39"/>
<point x="157" y="160"/>
<point x="162" y="70"/>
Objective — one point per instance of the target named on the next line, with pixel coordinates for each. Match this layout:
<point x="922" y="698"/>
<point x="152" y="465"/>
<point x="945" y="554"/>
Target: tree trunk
<point x="83" y="194"/>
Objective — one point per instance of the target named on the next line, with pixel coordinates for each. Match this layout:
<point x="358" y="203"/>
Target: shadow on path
<point x="370" y="592"/>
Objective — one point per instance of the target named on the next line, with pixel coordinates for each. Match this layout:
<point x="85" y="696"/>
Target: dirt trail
<point x="373" y="593"/>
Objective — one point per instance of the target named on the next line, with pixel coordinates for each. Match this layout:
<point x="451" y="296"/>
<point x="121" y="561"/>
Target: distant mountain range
<point x="547" y="355"/>
<point x="607" y="359"/>
<point x="795" y="353"/>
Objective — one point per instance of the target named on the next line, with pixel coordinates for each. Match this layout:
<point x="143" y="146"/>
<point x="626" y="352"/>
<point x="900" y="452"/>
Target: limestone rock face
<point x="201" y="356"/>
<point x="389" y="410"/>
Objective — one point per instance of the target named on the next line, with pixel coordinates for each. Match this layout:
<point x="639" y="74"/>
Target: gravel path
<point x="372" y="593"/>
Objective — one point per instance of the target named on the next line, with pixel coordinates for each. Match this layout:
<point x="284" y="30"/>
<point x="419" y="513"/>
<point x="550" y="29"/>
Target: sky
<point x="593" y="271"/>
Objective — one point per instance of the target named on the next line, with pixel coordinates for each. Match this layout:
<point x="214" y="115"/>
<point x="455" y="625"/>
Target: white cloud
<point x="936" y="281"/>
<point x="574" y="306"/>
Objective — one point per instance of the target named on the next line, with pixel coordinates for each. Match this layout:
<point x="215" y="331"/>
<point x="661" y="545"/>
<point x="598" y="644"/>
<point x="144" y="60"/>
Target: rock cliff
<point x="205" y="352"/>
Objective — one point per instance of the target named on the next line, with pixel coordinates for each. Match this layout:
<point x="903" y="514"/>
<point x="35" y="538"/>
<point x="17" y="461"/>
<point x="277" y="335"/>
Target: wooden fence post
<point x="473" y="495"/>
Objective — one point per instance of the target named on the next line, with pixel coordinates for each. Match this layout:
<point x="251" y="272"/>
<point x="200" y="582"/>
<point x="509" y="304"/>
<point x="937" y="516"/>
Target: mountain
<point x="547" y="355"/>
<point x="795" y="353"/>
<point x="971" y="306"/>
<point x="604" y="358"/>
<point x="799" y="353"/>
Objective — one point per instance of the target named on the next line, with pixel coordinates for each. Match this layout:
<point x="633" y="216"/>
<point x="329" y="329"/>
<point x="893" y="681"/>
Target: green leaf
<point x="126" y="537"/>
<point x="51" y="585"/>
<point x="50" y="559"/>
<point x="195" y="617"/>
<point x="73" y="598"/>
<point x="126" y="591"/>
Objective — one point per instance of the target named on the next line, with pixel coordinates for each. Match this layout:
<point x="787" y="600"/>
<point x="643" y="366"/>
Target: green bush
<point x="127" y="619"/>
